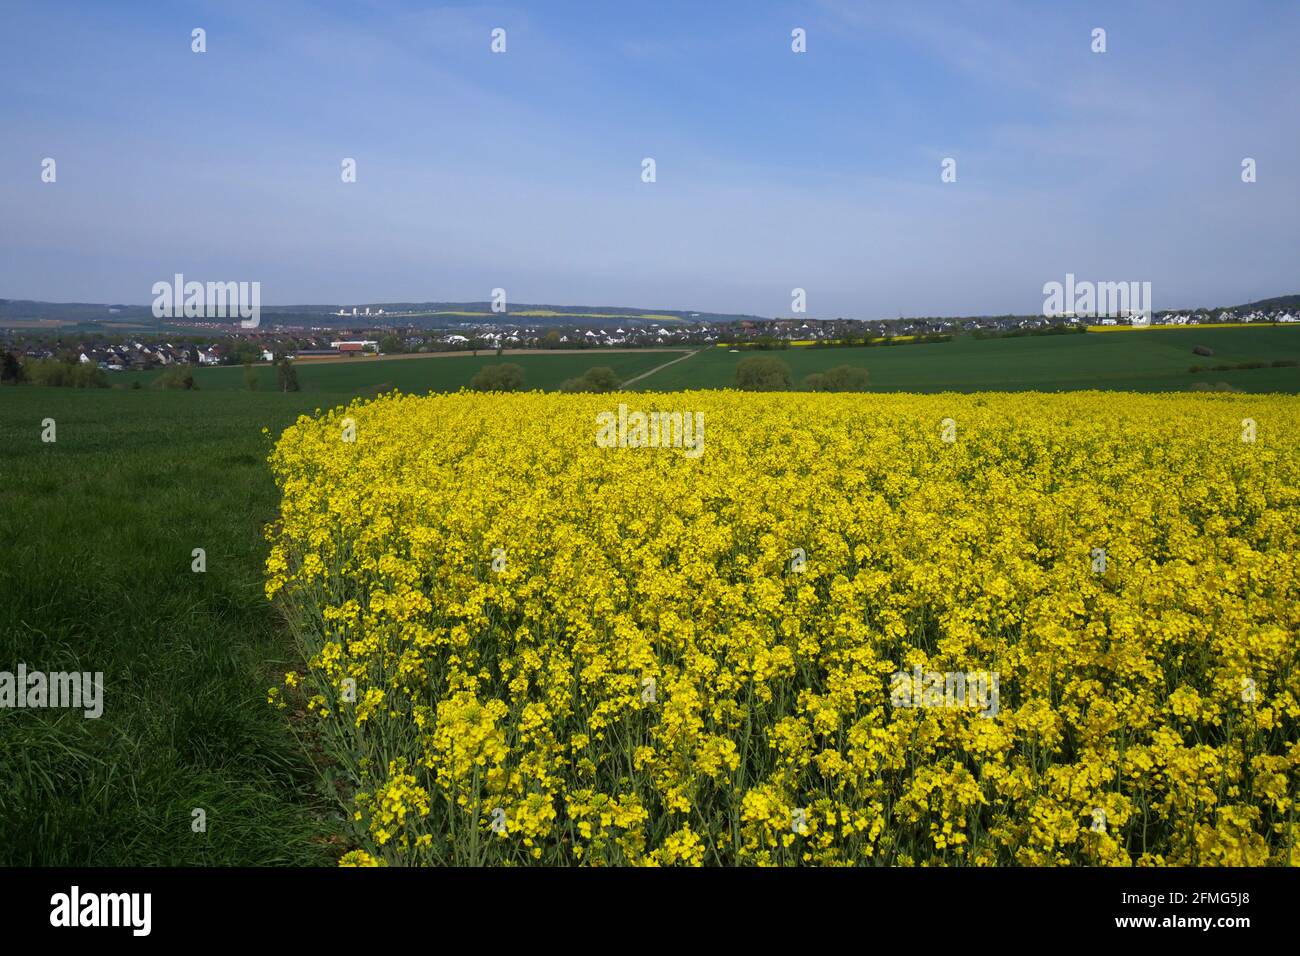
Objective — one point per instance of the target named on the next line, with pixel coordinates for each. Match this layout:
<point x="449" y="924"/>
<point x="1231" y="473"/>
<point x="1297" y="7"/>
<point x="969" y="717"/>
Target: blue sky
<point x="775" y="170"/>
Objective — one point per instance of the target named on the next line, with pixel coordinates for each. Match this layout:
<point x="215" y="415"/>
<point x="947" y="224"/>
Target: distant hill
<point x="424" y="313"/>
<point x="71" y="311"/>
<point x="1264" y="305"/>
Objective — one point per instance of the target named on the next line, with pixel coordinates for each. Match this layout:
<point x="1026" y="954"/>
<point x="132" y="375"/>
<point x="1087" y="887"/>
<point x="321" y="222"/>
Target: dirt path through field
<point x="658" y="368"/>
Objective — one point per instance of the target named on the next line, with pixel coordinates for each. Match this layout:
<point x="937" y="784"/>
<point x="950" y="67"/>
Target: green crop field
<point x="96" y="535"/>
<point x="1134" y="361"/>
<point x="544" y="370"/>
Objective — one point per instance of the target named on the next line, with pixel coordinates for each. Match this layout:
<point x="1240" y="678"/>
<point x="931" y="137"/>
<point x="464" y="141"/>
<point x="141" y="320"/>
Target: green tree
<point x="242" y="352"/>
<point x="177" y="376"/>
<point x="11" y="370"/>
<point x="391" y="345"/>
<point x="507" y="377"/>
<point x="598" y="379"/>
<point x="286" y="376"/>
<point x="842" y="378"/>
<point x="65" y="375"/>
<point x="762" y="374"/>
<point x="82" y="375"/>
<point x="250" y="377"/>
<point x="88" y="375"/>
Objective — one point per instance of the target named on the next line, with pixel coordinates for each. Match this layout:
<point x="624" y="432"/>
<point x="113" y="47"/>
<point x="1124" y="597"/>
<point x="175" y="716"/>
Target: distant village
<point x="227" y="344"/>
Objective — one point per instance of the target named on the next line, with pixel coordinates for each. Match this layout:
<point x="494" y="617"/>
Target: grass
<point x="1137" y="362"/>
<point x="96" y="534"/>
<point x="545" y="370"/>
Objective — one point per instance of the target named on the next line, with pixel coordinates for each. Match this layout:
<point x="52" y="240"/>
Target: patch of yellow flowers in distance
<point x="520" y="647"/>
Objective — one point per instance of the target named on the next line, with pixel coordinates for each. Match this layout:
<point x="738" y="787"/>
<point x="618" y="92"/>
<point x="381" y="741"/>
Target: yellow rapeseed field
<point x="1201" y="325"/>
<point x="853" y="629"/>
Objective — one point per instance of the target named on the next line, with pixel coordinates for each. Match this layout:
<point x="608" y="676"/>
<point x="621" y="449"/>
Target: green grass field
<point x="96" y="535"/>
<point x="1131" y="361"/>
<point x="544" y="370"/>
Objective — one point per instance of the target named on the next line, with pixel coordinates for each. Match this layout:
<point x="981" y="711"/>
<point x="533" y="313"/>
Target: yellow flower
<point x="1065" y="638"/>
<point x="359" y="858"/>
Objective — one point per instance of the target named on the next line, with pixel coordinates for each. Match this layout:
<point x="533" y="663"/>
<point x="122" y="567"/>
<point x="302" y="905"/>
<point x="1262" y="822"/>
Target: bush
<point x="178" y="376"/>
<point x="599" y="379"/>
<point x="1286" y="363"/>
<point x="842" y="378"/>
<point x="46" y="372"/>
<point x="761" y="374"/>
<point x="507" y="377"/>
<point x="88" y="375"/>
<point x="1202" y="350"/>
<point x="56" y="374"/>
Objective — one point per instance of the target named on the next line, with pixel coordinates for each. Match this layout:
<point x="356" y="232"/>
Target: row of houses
<point x="1207" y="318"/>
<point x="142" y="355"/>
<point x="234" y="348"/>
<point x="119" y="355"/>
